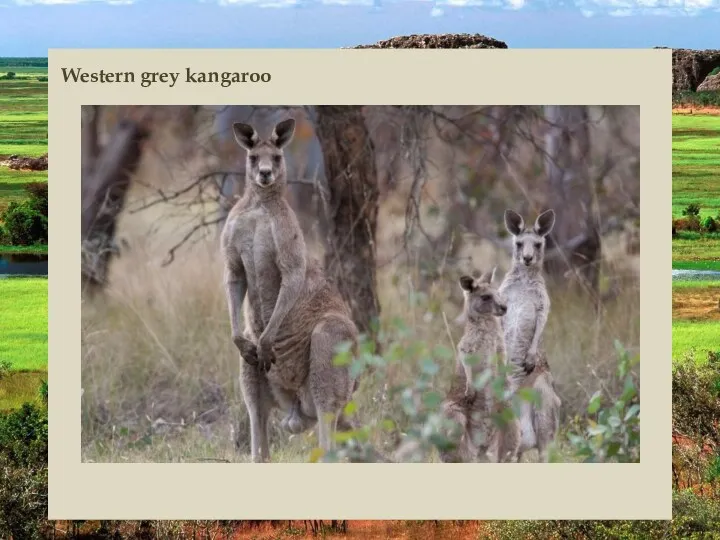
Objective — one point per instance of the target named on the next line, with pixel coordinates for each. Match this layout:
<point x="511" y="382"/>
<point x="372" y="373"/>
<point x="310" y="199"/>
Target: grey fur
<point x="293" y="317"/>
<point x="528" y="308"/>
<point x="470" y="409"/>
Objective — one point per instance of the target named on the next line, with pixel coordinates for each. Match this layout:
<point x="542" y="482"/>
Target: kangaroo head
<point x="529" y="244"/>
<point x="265" y="159"/>
<point x="482" y="296"/>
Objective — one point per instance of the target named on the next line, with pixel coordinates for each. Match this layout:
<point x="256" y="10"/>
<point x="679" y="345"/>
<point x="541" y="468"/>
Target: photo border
<point x="364" y="491"/>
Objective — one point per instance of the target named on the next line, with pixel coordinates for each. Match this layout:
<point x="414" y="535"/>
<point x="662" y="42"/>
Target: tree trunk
<point x="106" y="176"/>
<point x="351" y="207"/>
<point x="574" y="245"/>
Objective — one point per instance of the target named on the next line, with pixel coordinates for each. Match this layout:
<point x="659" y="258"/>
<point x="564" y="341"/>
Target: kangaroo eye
<point x="253" y="160"/>
<point x="277" y="160"/>
<point x="518" y="245"/>
<point x="538" y="245"/>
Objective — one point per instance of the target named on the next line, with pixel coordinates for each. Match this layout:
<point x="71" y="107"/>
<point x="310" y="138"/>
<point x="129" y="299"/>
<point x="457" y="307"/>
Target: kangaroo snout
<point x="265" y="176"/>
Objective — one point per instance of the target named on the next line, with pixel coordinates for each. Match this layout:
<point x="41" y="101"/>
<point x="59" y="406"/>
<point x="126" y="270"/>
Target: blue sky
<point x="30" y="27"/>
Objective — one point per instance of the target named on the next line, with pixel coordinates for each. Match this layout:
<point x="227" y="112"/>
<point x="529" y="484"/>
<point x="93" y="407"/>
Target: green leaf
<point x="343" y="346"/>
<point x="595" y="402"/>
<point x="356" y="368"/>
<point x="597" y="429"/>
<point x="432" y="400"/>
<point x="629" y="390"/>
<point x="613" y="449"/>
<point x="350" y="408"/>
<point x="529" y="395"/>
<point x="472" y="359"/>
<point x="429" y="367"/>
<point x="634" y="410"/>
<point x="316" y="454"/>
<point x="342" y="358"/>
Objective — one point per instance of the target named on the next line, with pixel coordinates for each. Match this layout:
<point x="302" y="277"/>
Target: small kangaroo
<point x="528" y="307"/>
<point x="472" y="410"/>
<point x="294" y="318"/>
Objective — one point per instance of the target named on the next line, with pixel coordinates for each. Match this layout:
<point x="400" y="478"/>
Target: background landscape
<point x="696" y="383"/>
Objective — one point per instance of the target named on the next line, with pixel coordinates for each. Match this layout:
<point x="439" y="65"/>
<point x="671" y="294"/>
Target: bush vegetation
<point x="23" y="472"/>
<point x="26" y="223"/>
<point x="697" y="99"/>
<point x="692" y="222"/>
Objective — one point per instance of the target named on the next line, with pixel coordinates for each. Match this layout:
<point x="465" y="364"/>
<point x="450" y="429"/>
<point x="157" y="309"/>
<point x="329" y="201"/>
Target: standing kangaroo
<point x="294" y="318"/>
<point x="528" y="307"/>
<point x="473" y="410"/>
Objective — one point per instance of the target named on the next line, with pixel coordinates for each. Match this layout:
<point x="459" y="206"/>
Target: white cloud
<point x="589" y="8"/>
<point x="66" y="2"/>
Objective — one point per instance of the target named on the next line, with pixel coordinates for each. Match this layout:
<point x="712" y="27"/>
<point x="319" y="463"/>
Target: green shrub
<point x="23" y="472"/>
<point x="612" y="433"/>
<point x="38" y="192"/>
<point x="23" y="500"/>
<point x="23" y="436"/>
<point x="696" y="398"/>
<point x="691" y="210"/>
<point x="697" y="99"/>
<point x="689" y="223"/>
<point x="24" y="225"/>
<point x="715" y="71"/>
<point x="709" y="224"/>
<point x="42" y="78"/>
<point x="694" y="517"/>
<point x="410" y="412"/>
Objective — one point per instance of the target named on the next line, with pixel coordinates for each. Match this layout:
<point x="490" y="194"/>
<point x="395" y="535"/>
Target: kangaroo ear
<point x="245" y="135"/>
<point x="514" y="222"/>
<point x="467" y="283"/>
<point x="545" y="222"/>
<point x="283" y="133"/>
<point x="486" y="277"/>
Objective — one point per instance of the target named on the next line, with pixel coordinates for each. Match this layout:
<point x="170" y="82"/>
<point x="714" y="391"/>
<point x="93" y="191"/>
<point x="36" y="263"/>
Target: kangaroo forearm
<point x="539" y="329"/>
<point x="235" y="290"/>
<point x="287" y="297"/>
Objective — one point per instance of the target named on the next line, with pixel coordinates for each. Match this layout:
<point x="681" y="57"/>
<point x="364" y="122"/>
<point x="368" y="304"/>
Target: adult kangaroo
<point x="293" y="316"/>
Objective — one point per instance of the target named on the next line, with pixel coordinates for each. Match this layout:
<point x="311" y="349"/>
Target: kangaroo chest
<point x="257" y="251"/>
<point x="525" y="301"/>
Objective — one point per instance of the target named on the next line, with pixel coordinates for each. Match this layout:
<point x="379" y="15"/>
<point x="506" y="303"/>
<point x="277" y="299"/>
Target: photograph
<point x="345" y="283"/>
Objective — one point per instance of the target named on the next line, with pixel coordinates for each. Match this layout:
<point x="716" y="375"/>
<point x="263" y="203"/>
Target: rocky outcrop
<point x="710" y="84"/>
<point x="27" y="163"/>
<point x="691" y="67"/>
<point x="437" y="41"/>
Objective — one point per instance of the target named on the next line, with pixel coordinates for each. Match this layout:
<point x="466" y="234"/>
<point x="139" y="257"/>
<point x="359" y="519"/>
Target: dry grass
<point x="697" y="303"/>
<point x="159" y="370"/>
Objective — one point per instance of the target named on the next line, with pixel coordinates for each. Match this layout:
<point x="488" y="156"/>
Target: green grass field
<point x="696" y="163"/>
<point x="24" y="323"/>
<point x="23" y="301"/>
<point x="23" y="128"/>
<point x="12" y="184"/>
<point x="695" y="338"/>
<point x="23" y="111"/>
<point x="696" y="179"/>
